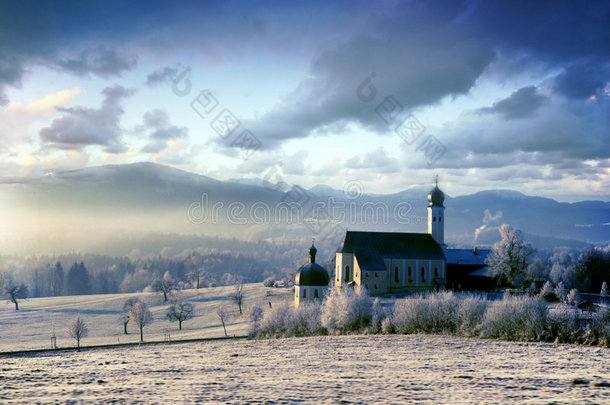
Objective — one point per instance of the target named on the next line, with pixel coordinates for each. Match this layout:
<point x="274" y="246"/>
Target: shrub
<point x="573" y="297"/>
<point x="287" y="321"/>
<point x="471" y="312"/>
<point x="269" y="282"/>
<point x="560" y="292"/>
<point x="564" y="325"/>
<point x="516" y="318"/>
<point x="347" y="310"/>
<point x="432" y="313"/>
<point x="598" y="328"/>
<point x="547" y="292"/>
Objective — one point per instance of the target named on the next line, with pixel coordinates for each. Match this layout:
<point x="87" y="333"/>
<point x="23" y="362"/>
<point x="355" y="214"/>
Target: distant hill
<point x="148" y="197"/>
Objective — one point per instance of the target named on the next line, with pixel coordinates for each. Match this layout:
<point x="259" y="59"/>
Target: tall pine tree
<point x="78" y="280"/>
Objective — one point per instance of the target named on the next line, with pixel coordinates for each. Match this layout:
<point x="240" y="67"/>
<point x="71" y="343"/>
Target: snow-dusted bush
<point x="431" y="313"/>
<point x="516" y="318"/>
<point x="287" y="321"/>
<point x="269" y="282"/>
<point x="598" y="330"/>
<point x="560" y="291"/>
<point x="379" y="315"/>
<point x="573" y="297"/>
<point x="548" y="293"/>
<point x="471" y="312"/>
<point x="564" y="325"/>
<point x="347" y="310"/>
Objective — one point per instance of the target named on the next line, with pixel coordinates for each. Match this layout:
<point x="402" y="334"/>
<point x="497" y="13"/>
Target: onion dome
<point x="312" y="274"/>
<point x="436" y="196"/>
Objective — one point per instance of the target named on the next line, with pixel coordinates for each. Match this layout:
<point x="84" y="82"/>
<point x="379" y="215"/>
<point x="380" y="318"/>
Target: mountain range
<point x="75" y="206"/>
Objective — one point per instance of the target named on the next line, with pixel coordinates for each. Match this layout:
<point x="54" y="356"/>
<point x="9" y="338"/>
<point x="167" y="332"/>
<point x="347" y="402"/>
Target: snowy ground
<point x="32" y="326"/>
<point x="350" y="369"/>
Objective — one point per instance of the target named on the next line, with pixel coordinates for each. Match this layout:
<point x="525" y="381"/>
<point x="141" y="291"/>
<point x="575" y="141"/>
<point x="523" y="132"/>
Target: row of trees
<point x="513" y="262"/>
<point x="98" y="274"/>
<point x="137" y="313"/>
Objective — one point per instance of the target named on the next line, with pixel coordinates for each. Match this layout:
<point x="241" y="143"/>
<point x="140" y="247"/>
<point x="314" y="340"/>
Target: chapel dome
<point x="312" y="274"/>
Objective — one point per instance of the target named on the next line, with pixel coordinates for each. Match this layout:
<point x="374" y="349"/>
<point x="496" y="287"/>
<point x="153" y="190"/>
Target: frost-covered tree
<point x="127" y="305"/>
<point x="141" y="316"/>
<point x="547" y="292"/>
<point x="164" y="285"/>
<point x="223" y="315"/>
<point x="604" y="290"/>
<point x="180" y="311"/>
<point x="254" y="315"/>
<point x="537" y="271"/>
<point x="238" y="294"/>
<point x="510" y="256"/>
<point x="77" y="329"/>
<point x="12" y="290"/>
<point x="560" y="291"/>
<point x="573" y="297"/>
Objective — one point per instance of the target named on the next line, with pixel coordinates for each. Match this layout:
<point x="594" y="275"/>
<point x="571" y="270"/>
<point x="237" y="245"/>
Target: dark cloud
<point x="80" y="127"/>
<point x="161" y="76"/>
<point x="99" y="61"/>
<point x="582" y="81"/>
<point x="160" y="130"/>
<point x="522" y="103"/>
<point x="558" y="135"/>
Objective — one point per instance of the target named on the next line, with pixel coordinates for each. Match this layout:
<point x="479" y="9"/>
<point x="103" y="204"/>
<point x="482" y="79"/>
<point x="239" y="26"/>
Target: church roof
<point x="467" y="257"/>
<point x="370" y="248"/>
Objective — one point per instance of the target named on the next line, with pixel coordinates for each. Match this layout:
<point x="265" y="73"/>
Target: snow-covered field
<point x="348" y="369"/>
<point x="32" y="326"/>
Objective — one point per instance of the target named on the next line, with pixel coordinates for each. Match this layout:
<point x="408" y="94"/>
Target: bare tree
<point x="223" y="315"/>
<point x="254" y="315"/>
<point x="238" y="294"/>
<point x="129" y="303"/>
<point x="164" y="285"/>
<point x="180" y="311"/>
<point x="141" y="316"/>
<point x="77" y="329"/>
<point x="12" y="290"/>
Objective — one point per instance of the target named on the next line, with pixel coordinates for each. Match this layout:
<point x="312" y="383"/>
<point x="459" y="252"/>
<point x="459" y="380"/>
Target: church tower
<point x="436" y="215"/>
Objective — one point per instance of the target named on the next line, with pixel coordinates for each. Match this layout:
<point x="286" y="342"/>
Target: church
<point x="395" y="262"/>
<point x="390" y="262"/>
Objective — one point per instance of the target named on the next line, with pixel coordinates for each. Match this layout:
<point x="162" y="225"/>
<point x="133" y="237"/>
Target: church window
<point x="315" y="293"/>
<point x="375" y="286"/>
<point x="346" y="273"/>
<point x="396" y="274"/>
<point x="423" y="274"/>
<point x="376" y="275"/>
<point x="366" y="274"/>
<point x="433" y="219"/>
<point x="439" y="219"/>
<point x="436" y="272"/>
<point x="304" y="293"/>
<point x="410" y="272"/>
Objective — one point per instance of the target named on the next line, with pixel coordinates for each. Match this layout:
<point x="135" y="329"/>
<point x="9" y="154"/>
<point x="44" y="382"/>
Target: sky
<point x="382" y="94"/>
